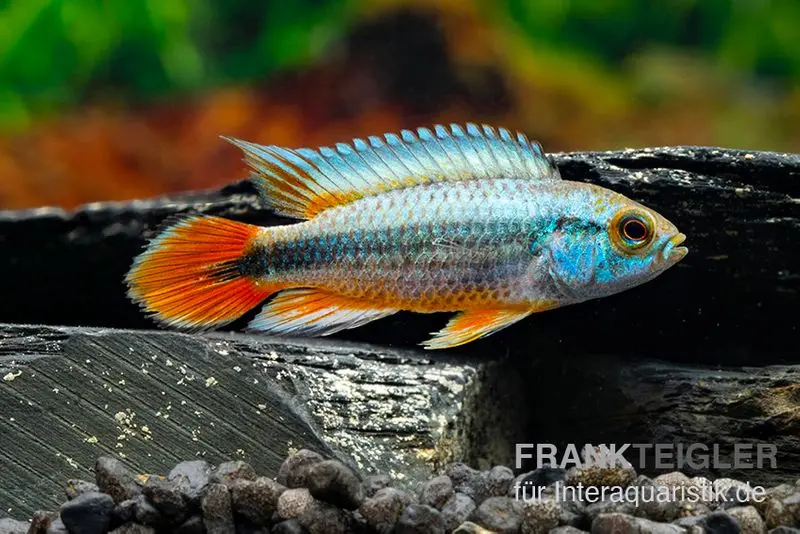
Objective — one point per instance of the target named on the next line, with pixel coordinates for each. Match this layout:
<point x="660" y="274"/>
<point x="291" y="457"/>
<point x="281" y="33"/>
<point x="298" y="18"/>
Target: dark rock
<point x="420" y="519"/>
<point x="167" y="499"/>
<point x="567" y="529"/>
<point x="113" y="478"/>
<point x="41" y="521"/>
<point x="89" y="513"/>
<point x="227" y="472"/>
<point x="324" y="518"/>
<point x="293" y="502"/>
<point x="333" y="482"/>
<point x="468" y="481"/>
<point x="193" y="525"/>
<point x="526" y="483"/>
<point x="373" y="483"/>
<point x="456" y="510"/>
<point x="625" y="524"/>
<point x="246" y="528"/>
<point x="436" y="491"/>
<point x="190" y="478"/>
<point x="123" y="513"/>
<point x="256" y="500"/>
<point x="498" y="481"/>
<point x="784" y="530"/>
<point x="500" y="514"/>
<point x="609" y="506"/>
<point x="294" y="469"/>
<point x="145" y="513"/>
<point x="289" y="526"/>
<point x="133" y="528"/>
<point x="720" y="523"/>
<point x="57" y="527"/>
<point x="217" y="510"/>
<point x="76" y="487"/>
<point x="540" y="515"/>
<point x="12" y="526"/>
<point x="382" y="510"/>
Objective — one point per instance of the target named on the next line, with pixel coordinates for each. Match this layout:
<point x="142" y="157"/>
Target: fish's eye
<point x="632" y="230"/>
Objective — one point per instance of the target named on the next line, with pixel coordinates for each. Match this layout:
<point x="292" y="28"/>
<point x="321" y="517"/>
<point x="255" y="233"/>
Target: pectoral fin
<point x="474" y="324"/>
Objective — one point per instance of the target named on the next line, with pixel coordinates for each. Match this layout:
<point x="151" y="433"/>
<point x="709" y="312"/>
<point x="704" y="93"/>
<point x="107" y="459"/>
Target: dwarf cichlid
<point x="473" y="220"/>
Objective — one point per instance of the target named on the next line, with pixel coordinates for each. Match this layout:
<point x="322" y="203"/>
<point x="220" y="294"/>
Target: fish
<point x="470" y="219"/>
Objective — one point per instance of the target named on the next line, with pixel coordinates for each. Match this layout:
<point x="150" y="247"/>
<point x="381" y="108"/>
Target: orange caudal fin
<point x="190" y="276"/>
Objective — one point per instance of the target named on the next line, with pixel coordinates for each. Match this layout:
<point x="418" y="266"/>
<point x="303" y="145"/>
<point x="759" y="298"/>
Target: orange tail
<point x="190" y="276"/>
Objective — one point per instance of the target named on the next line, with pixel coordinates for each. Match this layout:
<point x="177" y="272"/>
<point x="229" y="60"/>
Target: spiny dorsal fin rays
<point x="303" y="182"/>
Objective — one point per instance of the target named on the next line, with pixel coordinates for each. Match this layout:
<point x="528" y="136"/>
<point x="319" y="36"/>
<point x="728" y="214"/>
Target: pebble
<point x="749" y="519"/>
<point x="468" y="481"/>
<point x="167" y="499"/>
<point x="620" y="475"/>
<point x="40" y="521"/>
<point x="566" y="530"/>
<point x="256" y="500"/>
<point x="294" y="469"/>
<point x="382" y="510"/>
<point x="57" y="527"/>
<point x="675" y="479"/>
<point x="373" y="483"/>
<point x="498" y="481"/>
<point x="290" y="526"/>
<point x="193" y="525"/>
<point x="625" y="524"/>
<point x="217" y="510"/>
<point x="500" y="514"/>
<point x="190" y="479"/>
<point x="12" y="526"/>
<point x="420" y="519"/>
<point x="89" y="513"/>
<point x="113" y="478"/>
<point x="436" y="491"/>
<point x="456" y="510"/>
<point x="784" y="530"/>
<point x="468" y="527"/>
<point x="76" y="487"/>
<point x="526" y="483"/>
<point x="292" y="502"/>
<point x="540" y="516"/>
<point x="720" y="523"/>
<point x="227" y="472"/>
<point x="145" y="513"/>
<point x="133" y="528"/>
<point x="324" y="518"/>
<point x="335" y="483"/>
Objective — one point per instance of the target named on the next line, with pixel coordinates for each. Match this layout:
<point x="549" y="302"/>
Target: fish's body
<point x="425" y="223"/>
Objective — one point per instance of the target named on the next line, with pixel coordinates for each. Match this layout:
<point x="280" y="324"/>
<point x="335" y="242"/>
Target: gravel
<point x="314" y="495"/>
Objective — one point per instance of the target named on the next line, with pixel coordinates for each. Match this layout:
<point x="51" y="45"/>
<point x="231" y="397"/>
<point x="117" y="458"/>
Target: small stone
<point x="625" y="524"/>
<point x="456" y="510"/>
<point x="256" y="500"/>
<point x="193" y="525"/>
<point x="436" y="491"/>
<point x="540" y="516"/>
<point x="113" y="478"/>
<point x="145" y="513"/>
<point x="57" y="527"/>
<point x="88" y="513"/>
<point x="227" y="472"/>
<point x="782" y="512"/>
<point x="621" y="476"/>
<point x="292" y="502"/>
<point x="167" y="499"/>
<point x="722" y="485"/>
<point x="382" y="510"/>
<point x="133" y="528"/>
<point x="190" y="479"/>
<point x="420" y="519"/>
<point x="373" y="483"/>
<point x="290" y="526"/>
<point x="501" y="514"/>
<point x="609" y="506"/>
<point x="653" y="507"/>
<point x="294" y="469"/>
<point x="468" y="481"/>
<point x="40" y="522"/>
<point x="748" y="519"/>
<point x="76" y="487"/>
<point x="675" y="479"/>
<point x="217" y="510"/>
<point x="468" y="527"/>
<point x="784" y="530"/>
<point x="567" y="530"/>
<point x="333" y="482"/>
<point x="12" y="526"/>
<point x="777" y="493"/>
<point x="720" y="523"/>
<point x="498" y="481"/>
<point x="324" y="518"/>
<point x="542" y="477"/>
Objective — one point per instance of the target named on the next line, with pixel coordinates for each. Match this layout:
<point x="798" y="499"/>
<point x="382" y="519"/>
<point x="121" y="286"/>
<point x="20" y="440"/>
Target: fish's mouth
<point x="674" y="252"/>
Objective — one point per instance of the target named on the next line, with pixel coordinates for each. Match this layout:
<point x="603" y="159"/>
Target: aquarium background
<point x="112" y="99"/>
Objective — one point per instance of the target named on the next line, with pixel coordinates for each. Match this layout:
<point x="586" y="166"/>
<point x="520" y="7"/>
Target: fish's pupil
<point x="634" y="229"/>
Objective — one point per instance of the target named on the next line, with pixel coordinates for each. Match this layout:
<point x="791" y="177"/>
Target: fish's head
<point x="609" y="244"/>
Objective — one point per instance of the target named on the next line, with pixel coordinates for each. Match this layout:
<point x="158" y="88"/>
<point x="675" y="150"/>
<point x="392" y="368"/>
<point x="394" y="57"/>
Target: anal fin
<point x="474" y="324"/>
<point x="314" y="312"/>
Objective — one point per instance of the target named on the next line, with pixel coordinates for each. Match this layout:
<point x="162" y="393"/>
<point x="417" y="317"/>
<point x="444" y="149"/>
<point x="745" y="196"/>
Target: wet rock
<point x="323" y="518"/>
<point x="653" y="507"/>
<point x="294" y="469"/>
<point x="436" y="491"/>
<point x="720" y="523"/>
<point x="784" y="530"/>
<point x="12" y="526"/>
<point x="193" y="525"/>
<point x="675" y="479"/>
<point x="293" y="502"/>
<point x="625" y="524"/>
<point x="468" y="481"/>
<point x="749" y="519"/>
<point x="133" y="528"/>
<point x="89" y="513"/>
<point x="498" y="481"/>
<point x="217" y="510"/>
<point x="567" y="530"/>
<point x="782" y="512"/>
<point x="456" y="510"/>
<point x="227" y="472"/>
<point x="145" y="513"/>
<point x="609" y="506"/>
<point x="539" y="516"/>
<point x="75" y="487"/>
<point x="113" y="478"/>
<point x="256" y="500"/>
<point x="167" y="499"/>
<point x="468" y="527"/>
<point x="500" y="514"/>
<point x="373" y="483"/>
<point x="778" y="493"/>
<point x="621" y="476"/>
<point x="420" y="519"/>
<point x="290" y="526"/>
<point x="333" y="482"/>
<point x="57" y="527"/>
<point x="382" y="510"/>
<point x="190" y="479"/>
<point x="40" y="522"/>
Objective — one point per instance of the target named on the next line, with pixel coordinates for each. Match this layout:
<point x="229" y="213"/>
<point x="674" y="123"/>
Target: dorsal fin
<point x="303" y="182"/>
